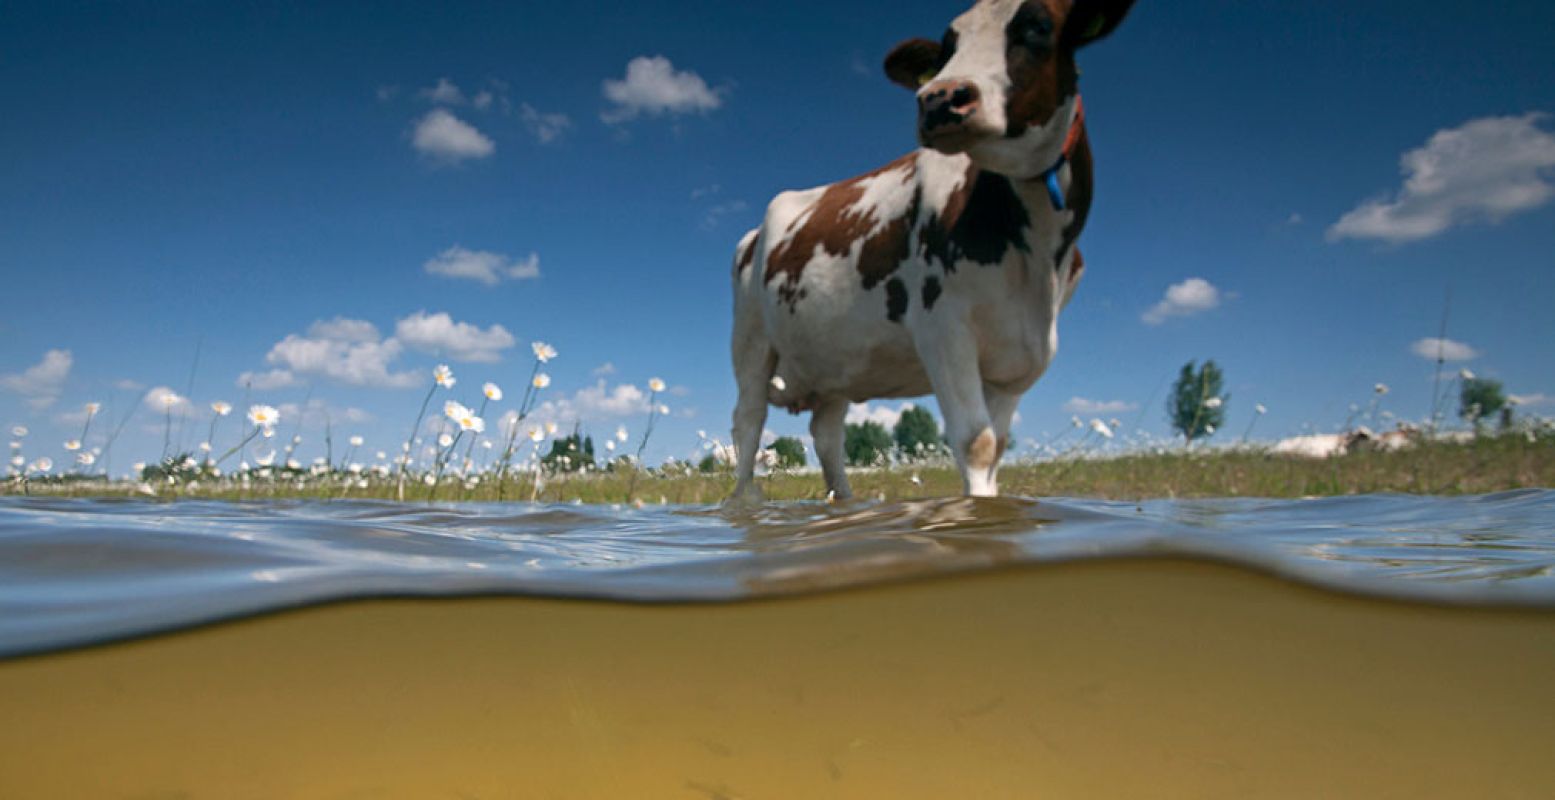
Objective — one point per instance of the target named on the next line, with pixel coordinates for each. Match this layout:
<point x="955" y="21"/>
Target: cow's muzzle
<point x="946" y="110"/>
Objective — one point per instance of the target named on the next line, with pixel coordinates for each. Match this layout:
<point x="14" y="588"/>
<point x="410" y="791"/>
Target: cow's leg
<point x="828" y="429"/>
<point x="754" y="362"/>
<point x="1001" y="410"/>
<point x="950" y="358"/>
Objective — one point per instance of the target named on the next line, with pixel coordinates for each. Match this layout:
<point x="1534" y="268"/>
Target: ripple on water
<point x="77" y="571"/>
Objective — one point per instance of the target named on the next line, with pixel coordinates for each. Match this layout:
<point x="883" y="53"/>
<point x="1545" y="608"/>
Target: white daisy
<point x="221" y="409"/>
<point x="492" y="391"/>
<point x="443" y="376"/>
<point x="655" y="385"/>
<point x="543" y="351"/>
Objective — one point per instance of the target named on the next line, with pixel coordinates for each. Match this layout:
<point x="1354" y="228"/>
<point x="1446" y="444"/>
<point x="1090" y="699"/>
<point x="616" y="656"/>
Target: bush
<point x="916" y="433"/>
<point x="867" y="444"/>
<point x="789" y="452"/>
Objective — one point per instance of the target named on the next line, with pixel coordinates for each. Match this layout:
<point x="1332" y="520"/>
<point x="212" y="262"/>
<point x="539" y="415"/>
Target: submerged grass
<point x="1481" y="465"/>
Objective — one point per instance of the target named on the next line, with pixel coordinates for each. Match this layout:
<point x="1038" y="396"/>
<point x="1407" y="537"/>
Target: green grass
<point x="1487" y="464"/>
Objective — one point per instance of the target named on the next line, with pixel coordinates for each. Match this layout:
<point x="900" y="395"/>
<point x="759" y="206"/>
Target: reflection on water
<point x="79" y="571"/>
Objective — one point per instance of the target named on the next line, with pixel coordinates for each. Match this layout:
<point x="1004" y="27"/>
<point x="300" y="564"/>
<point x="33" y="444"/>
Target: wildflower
<point x="1260" y="409"/>
<point x="454" y="410"/>
<point x="42" y="465"/>
<point x="264" y="417"/>
<point x="73" y="444"/>
<point x="610" y="444"/>
<point x="778" y="383"/>
<point x="492" y="391"/>
<point x="356" y="441"/>
<point x="655" y="385"/>
<point x="292" y="463"/>
<point x="443" y="376"/>
<point x="19" y="431"/>
<point x="664" y="410"/>
<point x="543" y="351"/>
<point x="701" y="434"/>
<point x="1214" y="402"/>
<point x="1101" y="428"/>
<point x="542" y="380"/>
<point x="1465" y="374"/>
<point x="221" y="409"/>
<point x="17" y="461"/>
<point x="536" y="435"/>
<point x="486" y="443"/>
<point x="380" y="455"/>
<point x="1208" y="429"/>
<point x="169" y="399"/>
<point x="93" y="408"/>
<point x="550" y="428"/>
<point x="205" y="447"/>
<point x="621" y="432"/>
<point x="268" y="432"/>
<point x="1380" y="389"/>
<point x="445" y="440"/>
<point x="470" y="422"/>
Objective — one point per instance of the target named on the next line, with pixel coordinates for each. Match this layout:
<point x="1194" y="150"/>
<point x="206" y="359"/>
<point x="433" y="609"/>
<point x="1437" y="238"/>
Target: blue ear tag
<point x="1054" y="191"/>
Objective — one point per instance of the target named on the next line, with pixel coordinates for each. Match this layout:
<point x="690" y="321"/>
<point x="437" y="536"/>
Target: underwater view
<point x="996" y="647"/>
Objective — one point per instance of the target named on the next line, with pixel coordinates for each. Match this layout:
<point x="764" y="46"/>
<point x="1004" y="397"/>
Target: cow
<point x="943" y="271"/>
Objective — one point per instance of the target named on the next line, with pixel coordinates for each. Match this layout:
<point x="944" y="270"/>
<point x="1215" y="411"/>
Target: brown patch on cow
<point x="1077" y="198"/>
<point x="1004" y="444"/>
<point x="746" y="256"/>
<point x="983" y="451"/>
<point x="982" y="219"/>
<point x="835" y="223"/>
<point x="1041" y="77"/>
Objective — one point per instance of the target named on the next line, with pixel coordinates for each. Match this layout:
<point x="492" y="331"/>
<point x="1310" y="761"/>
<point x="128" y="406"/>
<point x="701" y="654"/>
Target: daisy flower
<point x="543" y="351"/>
<point x="221" y="409"/>
<point x="356" y="441"/>
<point x="263" y="416"/>
<point x="621" y="432"/>
<point x="93" y="408"/>
<point x="454" y="410"/>
<point x="550" y="428"/>
<point x="19" y="431"/>
<point x="445" y="440"/>
<point x="536" y="435"/>
<point x="470" y="422"/>
<point x="655" y="385"/>
<point x="492" y="391"/>
<point x="443" y="376"/>
<point x="1101" y="428"/>
<point x="542" y="380"/>
<point x="73" y="445"/>
<point x="1213" y="402"/>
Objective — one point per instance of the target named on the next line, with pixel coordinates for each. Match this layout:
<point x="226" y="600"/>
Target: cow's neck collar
<point x="1055" y="189"/>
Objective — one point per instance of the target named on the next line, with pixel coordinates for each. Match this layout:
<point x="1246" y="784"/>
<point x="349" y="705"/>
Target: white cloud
<point x="41" y="383"/>
<point x="1486" y="169"/>
<point x="546" y="127"/>
<point x="1429" y="348"/>
<point x="482" y="265"/>
<point x="1190" y="297"/>
<point x="162" y="400"/>
<point x="1081" y="405"/>
<point x="128" y="385"/>
<point x="445" y="137"/>
<point x="445" y="92"/>
<point x="1536" y="399"/>
<point x="653" y="86"/>
<point x="607" y="368"/>
<point x="859" y="413"/>
<point x="714" y="215"/>
<point x="460" y="341"/>
<point x="343" y="350"/>
<point x="483" y="99"/>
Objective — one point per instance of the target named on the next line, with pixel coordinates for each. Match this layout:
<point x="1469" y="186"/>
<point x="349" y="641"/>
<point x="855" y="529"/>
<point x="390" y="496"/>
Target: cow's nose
<point x="947" y="103"/>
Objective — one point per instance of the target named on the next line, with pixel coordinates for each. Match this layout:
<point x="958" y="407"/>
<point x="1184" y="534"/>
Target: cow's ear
<point x="911" y="63"/>
<point x="1092" y="19"/>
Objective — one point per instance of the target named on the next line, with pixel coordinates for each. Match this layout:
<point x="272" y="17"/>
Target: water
<point x="75" y="572"/>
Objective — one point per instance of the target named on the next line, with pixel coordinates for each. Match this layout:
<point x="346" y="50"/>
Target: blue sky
<point x="255" y="182"/>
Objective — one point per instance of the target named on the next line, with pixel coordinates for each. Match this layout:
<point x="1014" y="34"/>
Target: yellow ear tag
<point x="923" y="80"/>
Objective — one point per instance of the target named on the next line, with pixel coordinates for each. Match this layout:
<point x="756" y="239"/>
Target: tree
<point x="570" y="454"/>
<point x="1480" y="399"/>
<point x="867" y="444"/>
<point x="916" y="432"/>
<point x="1197" y="408"/>
<point x="789" y="452"/>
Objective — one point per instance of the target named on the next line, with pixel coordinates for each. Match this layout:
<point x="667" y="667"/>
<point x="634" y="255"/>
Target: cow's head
<point x="1000" y="86"/>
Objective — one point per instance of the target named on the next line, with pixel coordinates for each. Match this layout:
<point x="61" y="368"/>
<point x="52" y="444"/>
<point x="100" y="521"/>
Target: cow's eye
<point x="1036" y="32"/>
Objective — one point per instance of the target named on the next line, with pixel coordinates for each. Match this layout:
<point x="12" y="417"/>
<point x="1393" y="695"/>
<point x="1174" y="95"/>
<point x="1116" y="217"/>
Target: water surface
<point x="81" y="571"/>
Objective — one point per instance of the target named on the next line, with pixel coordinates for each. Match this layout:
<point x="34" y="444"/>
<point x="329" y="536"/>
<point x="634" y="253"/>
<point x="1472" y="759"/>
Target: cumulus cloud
<point x="1486" y="169"/>
<point x="41" y="383"/>
<point x="460" y="341"/>
<point x="1081" y="405"/>
<point x="482" y="265"/>
<point x="859" y="413"/>
<point x="442" y="136"/>
<point x="163" y="400"/>
<point x="1536" y="399"/>
<point x="347" y="351"/>
<point x="546" y="127"/>
<point x="653" y="86"/>
<point x="444" y="92"/>
<point x="1192" y="296"/>
<point x="1431" y="347"/>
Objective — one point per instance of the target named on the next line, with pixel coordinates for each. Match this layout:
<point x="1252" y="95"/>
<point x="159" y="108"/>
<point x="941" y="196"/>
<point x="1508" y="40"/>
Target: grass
<point x="1485" y="464"/>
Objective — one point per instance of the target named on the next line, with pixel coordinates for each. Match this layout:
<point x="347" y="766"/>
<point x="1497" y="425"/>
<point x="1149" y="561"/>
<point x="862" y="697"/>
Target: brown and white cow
<point x="943" y="271"/>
